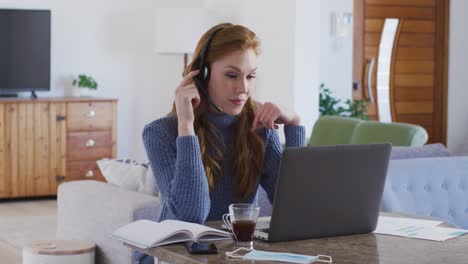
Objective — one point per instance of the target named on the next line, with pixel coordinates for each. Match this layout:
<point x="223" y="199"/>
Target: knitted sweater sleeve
<point x="179" y="173"/>
<point x="295" y="137"/>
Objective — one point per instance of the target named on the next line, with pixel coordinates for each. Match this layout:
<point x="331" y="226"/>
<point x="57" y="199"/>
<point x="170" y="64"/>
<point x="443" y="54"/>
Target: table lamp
<point x="179" y="29"/>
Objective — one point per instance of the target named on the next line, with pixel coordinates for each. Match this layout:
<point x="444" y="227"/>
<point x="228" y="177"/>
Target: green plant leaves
<point x="328" y="105"/>
<point x="84" y="81"/>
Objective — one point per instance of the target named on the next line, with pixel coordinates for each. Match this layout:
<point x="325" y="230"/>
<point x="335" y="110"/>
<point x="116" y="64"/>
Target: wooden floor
<point x="24" y="221"/>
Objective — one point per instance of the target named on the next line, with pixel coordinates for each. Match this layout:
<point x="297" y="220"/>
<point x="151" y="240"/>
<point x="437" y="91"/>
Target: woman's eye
<point x="231" y="75"/>
<point x="251" y="77"/>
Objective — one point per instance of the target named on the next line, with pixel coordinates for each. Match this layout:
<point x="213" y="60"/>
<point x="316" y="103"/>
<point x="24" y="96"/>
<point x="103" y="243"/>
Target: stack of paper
<point x="416" y="228"/>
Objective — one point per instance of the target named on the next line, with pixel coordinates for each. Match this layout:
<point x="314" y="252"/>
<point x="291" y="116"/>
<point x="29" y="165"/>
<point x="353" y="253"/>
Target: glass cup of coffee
<point x="241" y="221"/>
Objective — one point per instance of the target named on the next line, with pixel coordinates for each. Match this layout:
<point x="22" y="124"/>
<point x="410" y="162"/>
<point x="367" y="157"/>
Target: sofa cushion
<point x="430" y="150"/>
<point x="130" y="175"/>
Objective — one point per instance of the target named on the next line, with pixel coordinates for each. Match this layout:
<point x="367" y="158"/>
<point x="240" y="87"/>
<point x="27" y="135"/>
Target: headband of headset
<point x="203" y="75"/>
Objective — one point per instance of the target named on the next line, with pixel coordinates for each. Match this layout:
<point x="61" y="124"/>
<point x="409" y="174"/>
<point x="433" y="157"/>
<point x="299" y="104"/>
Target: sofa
<point x="434" y="186"/>
<point x="92" y="210"/>
<point x="420" y="180"/>
<point x="333" y="130"/>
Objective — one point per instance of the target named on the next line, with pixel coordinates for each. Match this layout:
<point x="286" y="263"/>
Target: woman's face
<point x="232" y="80"/>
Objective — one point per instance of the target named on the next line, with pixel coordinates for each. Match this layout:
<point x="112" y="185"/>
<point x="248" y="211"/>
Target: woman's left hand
<point x="270" y="114"/>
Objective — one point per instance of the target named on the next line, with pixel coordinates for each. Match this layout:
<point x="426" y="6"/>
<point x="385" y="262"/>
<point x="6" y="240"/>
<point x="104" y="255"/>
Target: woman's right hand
<point x="186" y="99"/>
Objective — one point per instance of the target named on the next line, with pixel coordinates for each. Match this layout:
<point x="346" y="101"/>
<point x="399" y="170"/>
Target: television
<point x="24" y="51"/>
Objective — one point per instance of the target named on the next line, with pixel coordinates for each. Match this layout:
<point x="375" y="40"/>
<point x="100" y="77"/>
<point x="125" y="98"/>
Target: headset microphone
<point x="203" y="76"/>
<point x="200" y="88"/>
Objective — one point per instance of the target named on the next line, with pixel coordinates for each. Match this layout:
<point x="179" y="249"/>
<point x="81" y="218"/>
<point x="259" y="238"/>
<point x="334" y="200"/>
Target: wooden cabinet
<point x="46" y="141"/>
<point x="90" y="136"/>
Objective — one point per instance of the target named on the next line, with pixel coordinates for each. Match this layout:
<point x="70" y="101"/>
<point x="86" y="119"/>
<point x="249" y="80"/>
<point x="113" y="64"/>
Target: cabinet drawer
<point x="83" y="170"/>
<point x="89" y="116"/>
<point x="89" y="145"/>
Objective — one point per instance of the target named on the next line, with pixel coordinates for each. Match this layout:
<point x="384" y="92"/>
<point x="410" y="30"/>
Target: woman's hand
<point x="269" y="115"/>
<point x="186" y="99"/>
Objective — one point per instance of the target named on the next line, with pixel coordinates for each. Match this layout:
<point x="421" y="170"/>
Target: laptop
<point x="327" y="191"/>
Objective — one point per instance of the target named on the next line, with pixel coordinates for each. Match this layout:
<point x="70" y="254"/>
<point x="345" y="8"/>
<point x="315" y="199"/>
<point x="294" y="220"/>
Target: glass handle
<point x="89" y="173"/>
<point x="369" y="80"/>
<point x="386" y="70"/>
<point x="90" y="143"/>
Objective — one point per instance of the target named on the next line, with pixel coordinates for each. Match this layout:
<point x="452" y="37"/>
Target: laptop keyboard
<point x="262" y="228"/>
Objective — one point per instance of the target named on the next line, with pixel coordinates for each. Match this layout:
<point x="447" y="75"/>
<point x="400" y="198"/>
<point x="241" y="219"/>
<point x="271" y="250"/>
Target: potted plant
<point x="85" y="84"/>
<point x="329" y="105"/>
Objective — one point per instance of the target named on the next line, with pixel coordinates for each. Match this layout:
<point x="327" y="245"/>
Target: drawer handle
<point x="90" y="173"/>
<point x="91" y="114"/>
<point x="90" y="143"/>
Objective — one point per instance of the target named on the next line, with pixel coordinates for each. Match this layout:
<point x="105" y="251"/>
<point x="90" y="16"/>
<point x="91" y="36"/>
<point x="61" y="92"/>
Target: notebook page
<point x="145" y="233"/>
<point x="200" y="230"/>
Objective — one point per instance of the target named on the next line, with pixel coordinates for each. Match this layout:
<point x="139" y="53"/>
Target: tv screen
<point x="24" y="50"/>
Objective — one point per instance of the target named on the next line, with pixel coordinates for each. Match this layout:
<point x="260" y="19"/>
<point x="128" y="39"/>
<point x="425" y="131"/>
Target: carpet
<point x="20" y="230"/>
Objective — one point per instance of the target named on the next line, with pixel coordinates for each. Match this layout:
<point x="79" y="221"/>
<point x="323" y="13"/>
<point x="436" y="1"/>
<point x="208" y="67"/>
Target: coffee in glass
<point x="241" y="221"/>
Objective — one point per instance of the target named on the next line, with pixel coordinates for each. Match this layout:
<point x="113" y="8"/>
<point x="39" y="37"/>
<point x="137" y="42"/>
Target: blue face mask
<point x="277" y="256"/>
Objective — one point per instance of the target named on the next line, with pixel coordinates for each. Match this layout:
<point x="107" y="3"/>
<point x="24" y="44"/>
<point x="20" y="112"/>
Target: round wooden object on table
<point x="59" y="251"/>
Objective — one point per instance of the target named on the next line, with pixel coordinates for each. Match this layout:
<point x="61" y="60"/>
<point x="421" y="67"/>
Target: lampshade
<point x="179" y="29"/>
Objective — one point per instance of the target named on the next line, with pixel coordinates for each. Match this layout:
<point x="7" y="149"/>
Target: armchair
<point x="332" y="130"/>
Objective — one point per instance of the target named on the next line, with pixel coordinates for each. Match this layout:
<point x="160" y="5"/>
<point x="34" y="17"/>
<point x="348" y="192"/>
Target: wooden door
<point x="34" y="149"/>
<point x="418" y="67"/>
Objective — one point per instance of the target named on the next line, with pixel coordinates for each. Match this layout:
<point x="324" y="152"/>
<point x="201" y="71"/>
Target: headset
<point x="203" y="76"/>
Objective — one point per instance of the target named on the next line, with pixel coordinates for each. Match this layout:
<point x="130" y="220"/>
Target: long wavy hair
<point x="248" y="150"/>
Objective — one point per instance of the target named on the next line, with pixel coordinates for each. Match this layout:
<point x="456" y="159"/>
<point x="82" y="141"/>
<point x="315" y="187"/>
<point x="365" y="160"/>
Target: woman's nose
<point x="242" y="86"/>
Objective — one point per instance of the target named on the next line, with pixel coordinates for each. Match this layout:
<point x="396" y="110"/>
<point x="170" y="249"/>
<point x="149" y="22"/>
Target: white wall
<point x="457" y="127"/>
<point x="307" y="61"/>
<point x="336" y="53"/>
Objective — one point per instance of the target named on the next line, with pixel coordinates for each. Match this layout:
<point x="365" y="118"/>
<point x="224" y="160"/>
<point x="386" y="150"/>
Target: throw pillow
<point x="430" y="150"/>
<point x="130" y="175"/>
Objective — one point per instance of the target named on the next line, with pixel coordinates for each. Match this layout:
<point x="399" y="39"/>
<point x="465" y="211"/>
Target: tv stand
<point x="33" y="95"/>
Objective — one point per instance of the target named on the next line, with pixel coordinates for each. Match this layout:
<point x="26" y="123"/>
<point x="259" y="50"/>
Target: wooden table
<point x="365" y="248"/>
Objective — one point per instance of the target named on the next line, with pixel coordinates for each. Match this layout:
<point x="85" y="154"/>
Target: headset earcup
<point x="208" y="72"/>
<point x="204" y="73"/>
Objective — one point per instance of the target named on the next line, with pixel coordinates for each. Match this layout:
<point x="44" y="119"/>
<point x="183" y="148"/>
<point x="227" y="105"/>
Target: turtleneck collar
<point x="221" y="120"/>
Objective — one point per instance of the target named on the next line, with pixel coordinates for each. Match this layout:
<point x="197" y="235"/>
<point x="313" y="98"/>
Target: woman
<point x="217" y="145"/>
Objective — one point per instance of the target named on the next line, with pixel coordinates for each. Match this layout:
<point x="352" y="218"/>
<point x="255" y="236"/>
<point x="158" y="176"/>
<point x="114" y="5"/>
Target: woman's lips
<point x="237" y="101"/>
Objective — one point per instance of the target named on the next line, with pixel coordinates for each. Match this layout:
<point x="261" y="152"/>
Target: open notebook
<point x="148" y="234"/>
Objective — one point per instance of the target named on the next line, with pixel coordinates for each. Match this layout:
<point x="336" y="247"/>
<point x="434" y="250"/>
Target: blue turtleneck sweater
<point x="177" y="165"/>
